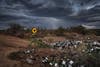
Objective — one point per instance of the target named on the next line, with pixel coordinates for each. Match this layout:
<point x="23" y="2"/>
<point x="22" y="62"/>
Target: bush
<point x="15" y="55"/>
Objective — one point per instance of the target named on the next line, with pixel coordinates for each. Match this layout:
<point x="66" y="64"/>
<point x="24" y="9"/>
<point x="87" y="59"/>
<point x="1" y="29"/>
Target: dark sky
<point x="50" y="13"/>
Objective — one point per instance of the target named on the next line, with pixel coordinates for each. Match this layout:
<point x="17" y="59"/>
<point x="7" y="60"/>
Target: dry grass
<point x="9" y="44"/>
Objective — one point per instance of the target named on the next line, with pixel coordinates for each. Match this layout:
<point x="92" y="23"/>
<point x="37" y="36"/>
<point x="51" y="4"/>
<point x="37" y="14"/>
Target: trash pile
<point x="75" y="44"/>
<point x="30" y="56"/>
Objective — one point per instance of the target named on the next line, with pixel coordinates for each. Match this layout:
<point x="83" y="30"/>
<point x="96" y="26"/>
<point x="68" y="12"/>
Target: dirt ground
<point x="9" y="44"/>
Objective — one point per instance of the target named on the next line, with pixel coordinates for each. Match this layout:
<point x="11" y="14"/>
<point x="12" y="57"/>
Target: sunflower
<point x="34" y="30"/>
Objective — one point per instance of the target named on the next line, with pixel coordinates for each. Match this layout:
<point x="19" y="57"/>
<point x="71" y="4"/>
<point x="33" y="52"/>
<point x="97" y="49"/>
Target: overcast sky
<point x="50" y="13"/>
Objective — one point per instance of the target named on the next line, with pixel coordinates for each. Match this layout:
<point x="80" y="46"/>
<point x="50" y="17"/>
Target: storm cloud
<point x="50" y="14"/>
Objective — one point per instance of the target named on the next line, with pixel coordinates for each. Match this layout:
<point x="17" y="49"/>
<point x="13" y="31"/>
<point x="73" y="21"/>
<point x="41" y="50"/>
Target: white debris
<point x="29" y="61"/>
<point x="51" y="64"/>
<point x="71" y="62"/>
<point x="75" y="46"/>
<point x="83" y="50"/>
<point x="46" y="58"/>
<point x="95" y="43"/>
<point x="97" y="48"/>
<point x="56" y="65"/>
<point x="92" y="49"/>
<point x="27" y="51"/>
<point x="31" y="56"/>
<point x="43" y="61"/>
<point x="63" y="62"/>
<point x="80" y="42"/>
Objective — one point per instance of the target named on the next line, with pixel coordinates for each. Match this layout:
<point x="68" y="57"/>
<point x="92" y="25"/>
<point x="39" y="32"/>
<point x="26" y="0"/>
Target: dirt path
<point x="10" y="44"/>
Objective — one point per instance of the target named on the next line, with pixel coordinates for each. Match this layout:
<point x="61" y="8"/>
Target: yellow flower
<point x="34" y="30"/>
